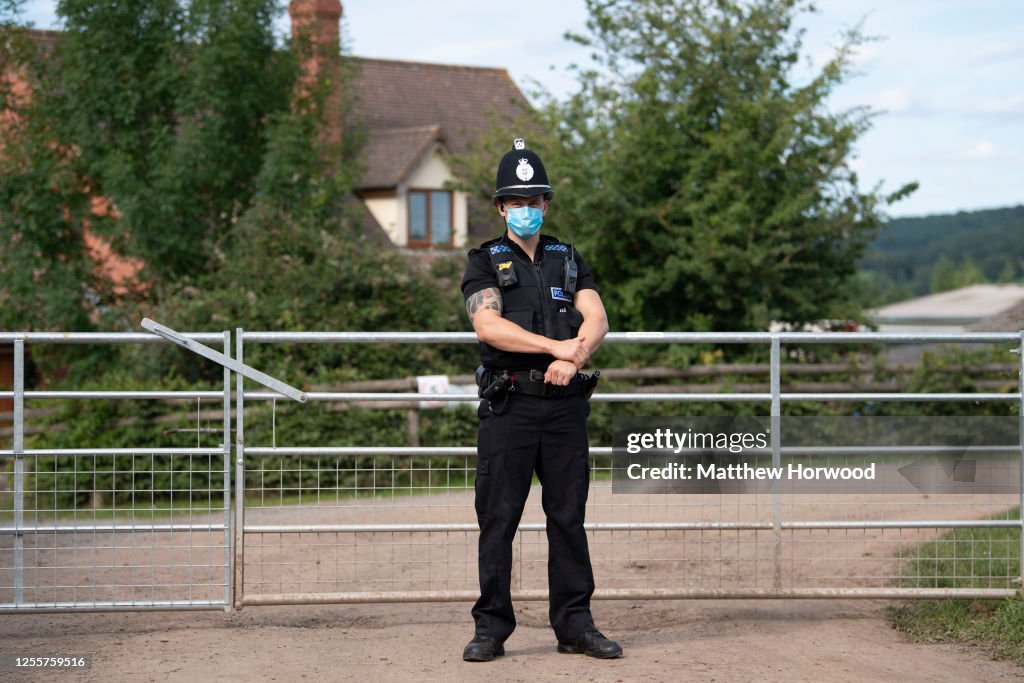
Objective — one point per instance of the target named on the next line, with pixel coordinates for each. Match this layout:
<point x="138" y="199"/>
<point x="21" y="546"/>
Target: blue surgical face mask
<point x="524" y="221"/>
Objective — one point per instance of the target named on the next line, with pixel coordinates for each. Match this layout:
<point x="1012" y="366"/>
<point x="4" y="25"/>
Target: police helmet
<point x="521" y="174"/>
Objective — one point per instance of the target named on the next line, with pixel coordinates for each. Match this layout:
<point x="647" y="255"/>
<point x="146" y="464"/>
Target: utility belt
<point x="494" y="383"/>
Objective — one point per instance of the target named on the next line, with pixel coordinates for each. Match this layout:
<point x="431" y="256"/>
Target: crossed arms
<point x="485" y="308"/>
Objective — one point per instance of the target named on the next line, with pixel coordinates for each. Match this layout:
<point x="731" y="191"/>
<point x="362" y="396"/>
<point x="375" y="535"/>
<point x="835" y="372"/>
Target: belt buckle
<point x="536" y="376"/>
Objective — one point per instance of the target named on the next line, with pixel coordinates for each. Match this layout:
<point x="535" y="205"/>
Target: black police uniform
<point x="522" y="432"/>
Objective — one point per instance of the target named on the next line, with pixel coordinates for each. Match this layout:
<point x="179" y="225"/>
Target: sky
<point x="945" y="76"/>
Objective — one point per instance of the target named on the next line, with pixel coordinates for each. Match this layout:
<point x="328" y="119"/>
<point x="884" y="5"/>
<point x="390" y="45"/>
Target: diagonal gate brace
<point x="230" y="363"/>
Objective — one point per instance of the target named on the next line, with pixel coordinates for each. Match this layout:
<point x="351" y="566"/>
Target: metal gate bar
<point x="73" y="567"/>
<point x="19" y="471"/>
<point x="706" y="532"/>
<point x="275" y="543"/>
<point x="355" y="598"/>
<point x="1020" y="412"/>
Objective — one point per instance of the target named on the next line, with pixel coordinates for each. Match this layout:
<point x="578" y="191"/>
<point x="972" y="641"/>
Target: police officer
<point x="535" y="307"/>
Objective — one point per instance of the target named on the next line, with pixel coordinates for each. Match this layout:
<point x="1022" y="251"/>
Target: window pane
<point x="417" y="216"/>
<point x="441" y="217"/>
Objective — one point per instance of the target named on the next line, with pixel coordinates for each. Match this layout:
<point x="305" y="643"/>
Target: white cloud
<point x="983" y="149"/>
<point x="894" y="100"/>
<point x="947" y="75"/>
<point x="1005" y="105"/>
<point x="866" y="56"/>
<point x="999" y="51"/>
<point x="986" y="150"/>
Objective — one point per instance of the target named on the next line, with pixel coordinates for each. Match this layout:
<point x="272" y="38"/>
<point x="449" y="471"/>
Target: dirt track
<point x="700" y="640"/>
<point x="679" y="640"/>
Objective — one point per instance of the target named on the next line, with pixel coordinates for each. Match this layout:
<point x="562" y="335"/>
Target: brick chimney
<point x="319" y="23"/>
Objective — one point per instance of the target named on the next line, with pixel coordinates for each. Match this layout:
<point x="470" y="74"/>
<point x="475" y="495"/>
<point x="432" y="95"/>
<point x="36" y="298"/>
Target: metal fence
<point x="397" y="524"/>
<point x="314" y="523"/>
<point x="95" y="528"/>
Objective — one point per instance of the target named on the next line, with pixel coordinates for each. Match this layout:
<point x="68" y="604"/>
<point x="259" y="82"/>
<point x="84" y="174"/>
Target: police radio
<point x="570" y="273"/>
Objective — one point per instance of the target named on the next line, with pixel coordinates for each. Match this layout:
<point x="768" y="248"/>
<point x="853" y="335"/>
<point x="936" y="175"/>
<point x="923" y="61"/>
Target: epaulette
<point x="485" y="247"/>
<point x="497" y="245"/>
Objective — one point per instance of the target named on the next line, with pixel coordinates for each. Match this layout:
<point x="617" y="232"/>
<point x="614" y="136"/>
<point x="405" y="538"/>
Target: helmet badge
<point x="524" y="171"/>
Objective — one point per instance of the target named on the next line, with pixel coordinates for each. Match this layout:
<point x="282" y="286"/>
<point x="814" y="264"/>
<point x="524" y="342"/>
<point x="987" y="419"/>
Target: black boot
<point x="592" y="644"/>
<point x="483" y="649"/>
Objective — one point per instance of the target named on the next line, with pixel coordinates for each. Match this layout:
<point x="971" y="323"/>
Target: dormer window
<point x="430" y="218"/>
<point x="412" y="138"/>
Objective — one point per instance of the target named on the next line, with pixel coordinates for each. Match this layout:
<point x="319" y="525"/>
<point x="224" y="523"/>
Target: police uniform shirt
<point x="480" y="275"/>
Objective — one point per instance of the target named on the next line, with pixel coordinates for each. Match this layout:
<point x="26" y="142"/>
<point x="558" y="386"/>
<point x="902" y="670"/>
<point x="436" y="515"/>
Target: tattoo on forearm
<point x="484" y="299"/>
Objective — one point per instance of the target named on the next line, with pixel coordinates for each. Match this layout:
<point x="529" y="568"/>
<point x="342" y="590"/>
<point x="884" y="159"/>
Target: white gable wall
<point x="385" y="212"/>
<point x="431" y="173"/>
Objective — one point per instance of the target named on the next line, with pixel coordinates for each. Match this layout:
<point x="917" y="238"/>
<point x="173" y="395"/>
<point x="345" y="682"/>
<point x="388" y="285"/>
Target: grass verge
<point x="995" y="627"/>
<point x="966" y="558"/>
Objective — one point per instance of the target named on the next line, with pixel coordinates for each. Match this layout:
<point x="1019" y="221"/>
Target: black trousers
<point x="547" y="436"/>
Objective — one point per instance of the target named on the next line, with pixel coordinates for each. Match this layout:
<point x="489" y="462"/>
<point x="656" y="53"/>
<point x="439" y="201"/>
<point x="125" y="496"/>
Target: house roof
<point x="43" y="38"/>
<point x="961" y="306"/>
<point x="390" y="154"/>
<point x="43" y="42"/>
<point x="404" y="107"/>
<point x="1009" y="320"/>
<point x="394" y="97"/>
<point x="462" y="100"/>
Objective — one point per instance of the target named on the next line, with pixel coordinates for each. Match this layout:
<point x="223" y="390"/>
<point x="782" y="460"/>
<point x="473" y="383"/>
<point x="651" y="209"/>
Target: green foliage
<point x="9" y="11"/>
<point x="723" y="187"/>
<point x="994" y="627"/>
<point x="1008" y="273"/>
<point x="297" y="259"/>
<point x="222" y="182"/>
<point x="966" y="558"/>
<point x="947" y="371"/>
<point x="949" y="275"/>
<point x="871" y="289"/>
<point x="44" y="204"/>
<point x="177" y="112"/>
<point x="917" y="254"/>
<point x="944" y="275"/>
<point x="279" y="247"/>
<point x="285" y="476"/>
<point x="44" y="208"/>
<point x="170" y="128"/>
<point x="68" y="482"/>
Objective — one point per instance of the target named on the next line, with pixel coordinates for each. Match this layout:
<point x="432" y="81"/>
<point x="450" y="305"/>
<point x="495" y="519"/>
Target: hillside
<point x="903" y="258"/>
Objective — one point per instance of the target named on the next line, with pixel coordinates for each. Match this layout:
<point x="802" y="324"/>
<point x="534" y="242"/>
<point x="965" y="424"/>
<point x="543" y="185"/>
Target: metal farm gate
<point x="313" y="523"/>
<point x="162" y="538"/>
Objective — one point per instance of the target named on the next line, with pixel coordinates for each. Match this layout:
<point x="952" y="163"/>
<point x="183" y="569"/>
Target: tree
<point x="944" y="275"/>
<point x="1008" y="274"/>
<point x="44" y="204"/>
<point x="297" y="259"/>
<point x="709" y="189"/>
<point x="9" y="11"/>
<point x="44" y="209"/>
<point x="177" y="112"/>
<point x="948" y="275"/>
<point x="169" y="128"/>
